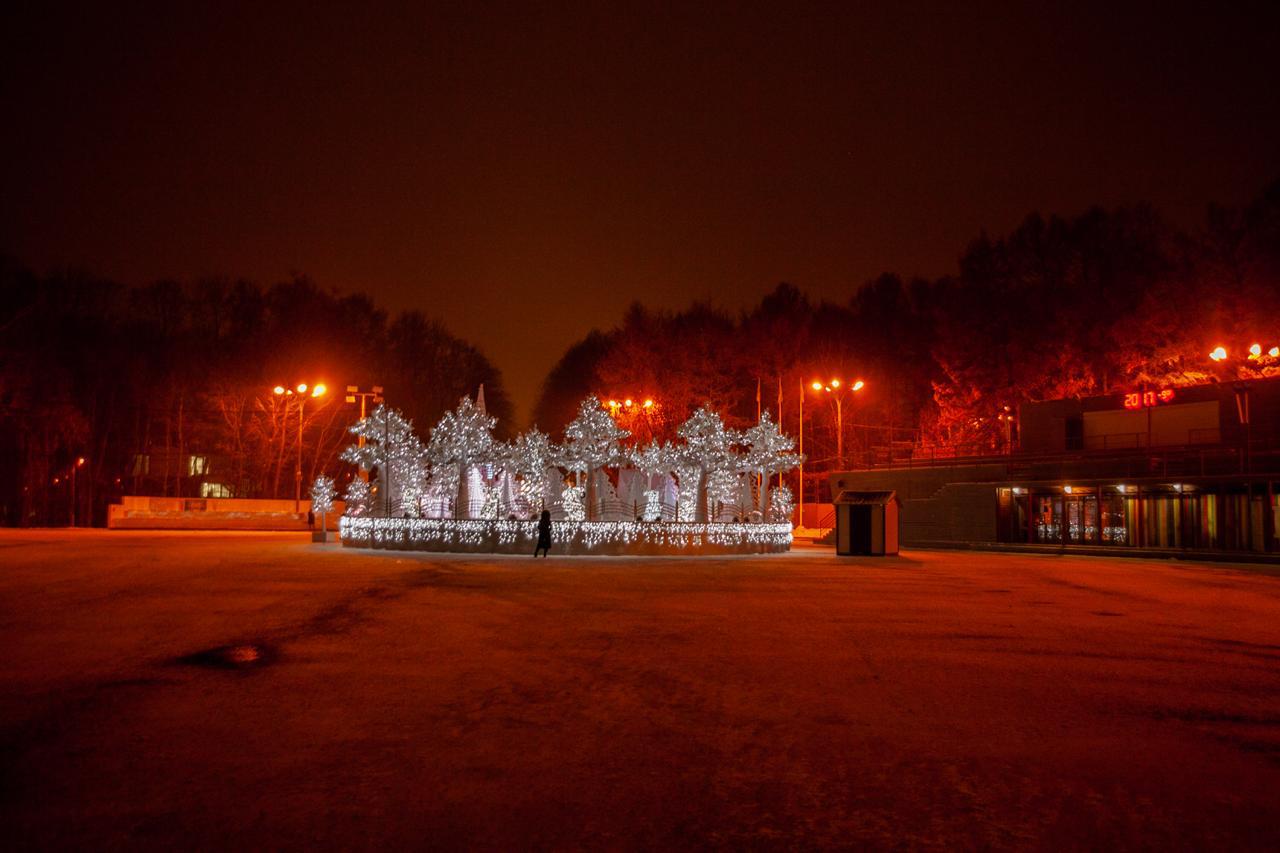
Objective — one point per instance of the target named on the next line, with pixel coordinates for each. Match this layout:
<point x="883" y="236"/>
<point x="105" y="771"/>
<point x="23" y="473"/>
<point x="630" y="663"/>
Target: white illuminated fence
<point x="567" y="537"/>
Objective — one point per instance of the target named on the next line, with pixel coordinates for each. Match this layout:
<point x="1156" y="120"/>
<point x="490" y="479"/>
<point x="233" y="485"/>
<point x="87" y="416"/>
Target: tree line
<point x="163" y="388"/>
<point x="1060" y="307"/>
<point x="150" y="385"/>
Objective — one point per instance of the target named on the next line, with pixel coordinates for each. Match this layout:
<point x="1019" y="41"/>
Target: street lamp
<point x="299" y="393"/>
<point x="374" y="396"/>
<point x="836" y="390"/>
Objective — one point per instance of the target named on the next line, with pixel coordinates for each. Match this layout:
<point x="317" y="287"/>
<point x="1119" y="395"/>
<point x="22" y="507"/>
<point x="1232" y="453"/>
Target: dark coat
<point x="544" y="533"/>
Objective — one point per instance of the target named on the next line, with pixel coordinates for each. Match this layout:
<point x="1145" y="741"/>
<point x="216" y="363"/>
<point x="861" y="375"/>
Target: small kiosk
<point x="867" y="523"/>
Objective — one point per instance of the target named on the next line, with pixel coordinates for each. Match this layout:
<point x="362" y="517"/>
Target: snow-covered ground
<point x="179" y="690"/>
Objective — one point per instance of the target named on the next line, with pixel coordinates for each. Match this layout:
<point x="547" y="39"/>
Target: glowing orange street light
<point x="1255" y="351"/>
<point x="1274" y="352"/>
<point x="317" y="390"/>
<point x="857" y="386"/>
<point x="1219" y="353"/>
<point x="648" y="404"/>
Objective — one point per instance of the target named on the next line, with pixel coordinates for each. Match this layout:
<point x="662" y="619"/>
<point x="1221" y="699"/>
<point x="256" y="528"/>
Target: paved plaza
<point x="197" y="691"/>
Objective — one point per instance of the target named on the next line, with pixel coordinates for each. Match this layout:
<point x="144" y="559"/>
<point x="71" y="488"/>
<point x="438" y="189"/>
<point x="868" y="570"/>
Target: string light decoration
<point x="533" y="459"/>
<point x="591" y="441"/>
<point x="571" y="500"/>
<point x="781" y="505"/>
<point x="357" y="497"/>
<point x="322" y="495"/>
<point x="513" y="481"/>
<point x="391" y="446"/>
<point x="768" y="452"/>
<point x="462" y="438"/>
<point x="708" y="448"/>
<point x="568" y="537"/>
<point x="652" y="505"/>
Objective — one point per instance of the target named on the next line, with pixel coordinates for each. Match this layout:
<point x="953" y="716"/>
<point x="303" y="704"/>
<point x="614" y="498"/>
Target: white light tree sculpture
<point x="591" y="442"/>
<point x="533" y="457"/>
<point x="462" y="438"/>
<point x="357" y="497"/>
<point x="322" y="495"/>
<point x="768" y="452"/>
<point x="391" y="446"/>
<point x="708" y="447"/>
<point x="653" y="460"/>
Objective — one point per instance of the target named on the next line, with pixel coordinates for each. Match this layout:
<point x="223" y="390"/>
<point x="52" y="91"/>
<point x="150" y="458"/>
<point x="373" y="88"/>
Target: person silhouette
<point x="544" y="534"/>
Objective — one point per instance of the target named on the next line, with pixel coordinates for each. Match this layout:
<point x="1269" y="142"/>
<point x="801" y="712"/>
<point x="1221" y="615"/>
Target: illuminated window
<point x="197" y="466"/>
<point x="214" y="490"/>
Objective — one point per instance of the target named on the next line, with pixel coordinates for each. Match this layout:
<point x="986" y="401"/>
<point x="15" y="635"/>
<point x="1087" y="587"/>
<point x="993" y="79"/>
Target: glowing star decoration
<point x="591" y="441"/>
<point x="357" y="497"/>
<point x="769" y="452"/>
<point x="395" y="451"/>
<point x="462" y="438"/>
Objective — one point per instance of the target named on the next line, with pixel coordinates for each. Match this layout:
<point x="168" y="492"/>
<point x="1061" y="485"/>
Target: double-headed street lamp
<point x="299" y="393"/>
<point x="836" y="390"/>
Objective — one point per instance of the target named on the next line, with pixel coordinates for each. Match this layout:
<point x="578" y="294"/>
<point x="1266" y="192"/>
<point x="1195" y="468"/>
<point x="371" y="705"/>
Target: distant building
<point x="1170" y="469"/>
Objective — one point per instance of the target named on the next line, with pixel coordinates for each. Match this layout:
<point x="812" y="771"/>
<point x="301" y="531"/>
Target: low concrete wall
<point x="601" y="538"/>
<point x="138" y="512"/>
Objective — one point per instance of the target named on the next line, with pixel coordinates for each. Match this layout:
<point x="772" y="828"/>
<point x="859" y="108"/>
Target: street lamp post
<point x="300" y="393"/>
<point x="836" y="389"/>
<point x="374" y="395"/>
<point x="75" y="467"/>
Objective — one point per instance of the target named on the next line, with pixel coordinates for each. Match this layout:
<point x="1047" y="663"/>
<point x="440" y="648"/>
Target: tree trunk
<point x="462" y="507"/>
<point x="700" y="511"/>
<point x="591" y="496"/>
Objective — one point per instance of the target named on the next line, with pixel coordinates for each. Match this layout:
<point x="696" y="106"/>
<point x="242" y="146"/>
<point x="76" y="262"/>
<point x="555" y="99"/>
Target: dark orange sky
<point x="525" y="172"/>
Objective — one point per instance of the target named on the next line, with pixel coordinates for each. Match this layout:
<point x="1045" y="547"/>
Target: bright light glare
<point x="319" y="390"/>
<point x="817" y="386"/>
<point x="1274" y="352"/>
<point x="302" y="387"/>
<point x="857" y="386"/>
<point x="1256" y="349"/>
<point x="627" y="402"/>
<point x="1218" y="354"/>
<point x="648" y="404"/>
<point x="835" y="383"/>
<point x="279" y="389"/>
<point x="1066" y="489"/>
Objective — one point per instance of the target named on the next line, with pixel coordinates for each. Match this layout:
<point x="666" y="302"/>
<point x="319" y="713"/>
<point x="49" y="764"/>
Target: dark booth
<point x="867" y="523"/>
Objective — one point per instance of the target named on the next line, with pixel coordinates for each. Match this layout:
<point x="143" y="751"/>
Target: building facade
<point x="1170" y="470"/>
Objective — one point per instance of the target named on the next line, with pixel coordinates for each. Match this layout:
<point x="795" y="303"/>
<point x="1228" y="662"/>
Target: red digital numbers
<point x="1147" y="399"/>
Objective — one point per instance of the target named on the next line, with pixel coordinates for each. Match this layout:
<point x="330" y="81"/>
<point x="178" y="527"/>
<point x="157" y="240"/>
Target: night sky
<point x="525" y="173"/>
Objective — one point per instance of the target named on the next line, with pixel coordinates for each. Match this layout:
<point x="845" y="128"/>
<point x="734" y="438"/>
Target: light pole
<point x="74" y="469"/>
<point x="374" y="395"/>
<point x="300" y="394"/>
<point x="836" y="389"/>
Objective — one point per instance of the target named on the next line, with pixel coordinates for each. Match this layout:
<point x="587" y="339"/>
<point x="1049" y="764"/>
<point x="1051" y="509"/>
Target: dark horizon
<point x="525" y="175"/>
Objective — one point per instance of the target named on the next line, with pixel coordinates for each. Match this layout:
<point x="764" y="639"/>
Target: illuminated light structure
<point x="715" y="466"/>
<point x="568" y="537"/>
